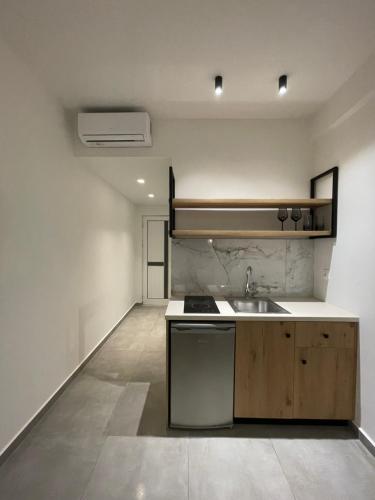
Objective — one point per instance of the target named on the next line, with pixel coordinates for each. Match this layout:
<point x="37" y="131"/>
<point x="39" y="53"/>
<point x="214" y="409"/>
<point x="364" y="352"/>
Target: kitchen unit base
<point x="295" y="370"/>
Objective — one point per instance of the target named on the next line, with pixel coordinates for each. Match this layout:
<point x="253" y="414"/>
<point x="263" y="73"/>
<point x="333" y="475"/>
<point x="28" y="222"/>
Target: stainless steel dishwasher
<point x="201" y="374"/>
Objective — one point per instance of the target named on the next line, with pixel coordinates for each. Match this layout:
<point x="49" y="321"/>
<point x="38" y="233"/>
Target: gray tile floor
<point x="106" y="438"/>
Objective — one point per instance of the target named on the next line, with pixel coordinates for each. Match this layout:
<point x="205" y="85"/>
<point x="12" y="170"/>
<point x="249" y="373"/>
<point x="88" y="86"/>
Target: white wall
<point x="229" y="158"/>
<point x="240" y="158"/>
<point x="222" y="158"/>
<point x="67" y="250"/>
<point x="344" y="136"/>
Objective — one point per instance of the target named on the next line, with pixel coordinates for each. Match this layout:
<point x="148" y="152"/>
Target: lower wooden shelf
<point x="224" y="233"/>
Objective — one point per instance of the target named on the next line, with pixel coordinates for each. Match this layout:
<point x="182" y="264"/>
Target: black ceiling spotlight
<point x="218" y="85"/>
<point x="283" y="84"/>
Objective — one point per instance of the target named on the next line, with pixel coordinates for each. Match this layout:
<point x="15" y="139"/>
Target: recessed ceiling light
<point x="151" y="195"/>
<point x="141" y="181"/>
<point x="283" y="84"/>
<point x="218" y="85"/>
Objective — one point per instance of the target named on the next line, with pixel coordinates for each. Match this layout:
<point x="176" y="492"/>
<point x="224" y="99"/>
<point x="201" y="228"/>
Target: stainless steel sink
<point x="255" y="305"/>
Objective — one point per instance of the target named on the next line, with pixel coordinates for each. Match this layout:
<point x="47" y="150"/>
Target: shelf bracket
<point x="172" y="211"/>
<point x="334" y="171"/>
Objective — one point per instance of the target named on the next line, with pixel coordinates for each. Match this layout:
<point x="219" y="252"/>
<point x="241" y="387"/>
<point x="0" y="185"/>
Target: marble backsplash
<point x="281" y="267"/>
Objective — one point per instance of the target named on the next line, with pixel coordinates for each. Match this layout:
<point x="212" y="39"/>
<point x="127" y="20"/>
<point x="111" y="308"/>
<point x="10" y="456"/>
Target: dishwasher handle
<point x="203" y="326"/>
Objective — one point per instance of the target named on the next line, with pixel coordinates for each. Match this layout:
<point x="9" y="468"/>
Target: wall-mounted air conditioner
<point x="114" y="130"/>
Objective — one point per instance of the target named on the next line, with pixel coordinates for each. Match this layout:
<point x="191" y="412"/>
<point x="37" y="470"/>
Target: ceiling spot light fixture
<point x="218" y="85"/>
<point x="283" y="84"/>
<point x="141" y="181"/>
<point x="151" y="195"/>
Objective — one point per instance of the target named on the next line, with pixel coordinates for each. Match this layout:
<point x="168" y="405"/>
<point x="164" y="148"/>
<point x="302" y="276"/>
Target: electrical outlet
<point x="325" y="274"/>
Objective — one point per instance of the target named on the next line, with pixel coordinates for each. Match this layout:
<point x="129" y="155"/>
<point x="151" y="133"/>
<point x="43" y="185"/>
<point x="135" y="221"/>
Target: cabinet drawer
<point x="326" y="334"/>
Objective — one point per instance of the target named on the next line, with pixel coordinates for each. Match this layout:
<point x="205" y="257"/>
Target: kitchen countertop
<point x="306" y="309"/>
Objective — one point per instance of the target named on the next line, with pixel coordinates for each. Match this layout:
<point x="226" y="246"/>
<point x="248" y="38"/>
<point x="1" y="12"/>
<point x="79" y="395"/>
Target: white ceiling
<point x="122" y="174"/>
<point x="162" y="55"/>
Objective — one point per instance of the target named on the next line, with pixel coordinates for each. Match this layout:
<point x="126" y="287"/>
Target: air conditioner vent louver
<point x="111" y="130"/>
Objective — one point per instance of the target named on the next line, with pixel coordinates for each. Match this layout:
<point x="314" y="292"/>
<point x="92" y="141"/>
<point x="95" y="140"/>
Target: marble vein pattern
<point x="218" y="267"/>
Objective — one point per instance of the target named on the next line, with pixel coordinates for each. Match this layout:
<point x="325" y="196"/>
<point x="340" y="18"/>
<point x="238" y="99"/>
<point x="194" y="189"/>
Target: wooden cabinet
<point x="325" y="369"/>
<point x="295" y="370"/>
<point x="264" y="369"/>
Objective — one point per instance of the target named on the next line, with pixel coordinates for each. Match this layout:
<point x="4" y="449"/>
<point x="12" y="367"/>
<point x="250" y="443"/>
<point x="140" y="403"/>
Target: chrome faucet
<point x="250" y="288"/>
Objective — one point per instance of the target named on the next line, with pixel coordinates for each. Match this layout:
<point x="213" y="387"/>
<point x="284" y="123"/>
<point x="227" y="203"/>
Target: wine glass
<point x="282" y="215"/>
<point x="307" y="222"/>
<point x="296" y="216"/>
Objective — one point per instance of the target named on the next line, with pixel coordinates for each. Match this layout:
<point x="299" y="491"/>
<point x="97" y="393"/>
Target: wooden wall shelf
<point x="219" y="233"/>
<point x="183" y="203"/>
<point x="311" y="203"/>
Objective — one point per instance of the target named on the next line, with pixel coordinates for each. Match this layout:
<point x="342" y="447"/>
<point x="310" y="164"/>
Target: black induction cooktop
<point x="200" y="304"/>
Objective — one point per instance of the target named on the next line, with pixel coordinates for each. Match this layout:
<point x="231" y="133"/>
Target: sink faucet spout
<point x="250" y="288"/>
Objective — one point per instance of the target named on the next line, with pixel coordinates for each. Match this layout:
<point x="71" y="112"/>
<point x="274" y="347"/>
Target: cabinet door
<point x="324" y="383"/>
<point x="264" y="369"/>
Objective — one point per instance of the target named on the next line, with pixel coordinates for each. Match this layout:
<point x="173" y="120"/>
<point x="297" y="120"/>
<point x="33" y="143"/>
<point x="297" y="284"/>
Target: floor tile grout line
<point x="143" y="409"/>
<point x="93" y="470"/>
<point x="124" y="390"/>
<point x="100" y="451"/>
<point x="282" y="469"/>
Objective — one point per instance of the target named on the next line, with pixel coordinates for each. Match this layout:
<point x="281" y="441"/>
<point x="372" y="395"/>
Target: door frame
<point x="145" y="300"/>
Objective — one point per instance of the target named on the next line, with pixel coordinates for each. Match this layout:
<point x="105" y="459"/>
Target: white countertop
<point x="307" y="309"/>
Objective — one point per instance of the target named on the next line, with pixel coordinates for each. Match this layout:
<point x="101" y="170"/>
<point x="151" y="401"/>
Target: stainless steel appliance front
<point x="201" y="374"/>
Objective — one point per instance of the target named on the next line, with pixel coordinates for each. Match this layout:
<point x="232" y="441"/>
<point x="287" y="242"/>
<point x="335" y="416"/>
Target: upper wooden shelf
<point x="225" y="233"/>
<point x="248" y="203"/>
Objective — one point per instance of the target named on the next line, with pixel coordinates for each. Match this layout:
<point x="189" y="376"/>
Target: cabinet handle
<point x="303" y="361"/>
<point x="287" y="335"/>
<point x="325" y="335"/>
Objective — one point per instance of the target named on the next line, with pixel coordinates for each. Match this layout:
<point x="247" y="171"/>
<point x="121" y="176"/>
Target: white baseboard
<point x="365" y="439"/>
<point x="8" y="448"/>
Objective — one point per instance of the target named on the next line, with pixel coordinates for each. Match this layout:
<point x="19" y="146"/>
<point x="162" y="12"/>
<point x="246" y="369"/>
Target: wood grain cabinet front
<point x="264" y="363"/>
<point x="326" y="334"/>
<point x="303" y="370"/>
<point x="325" y="370"/>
